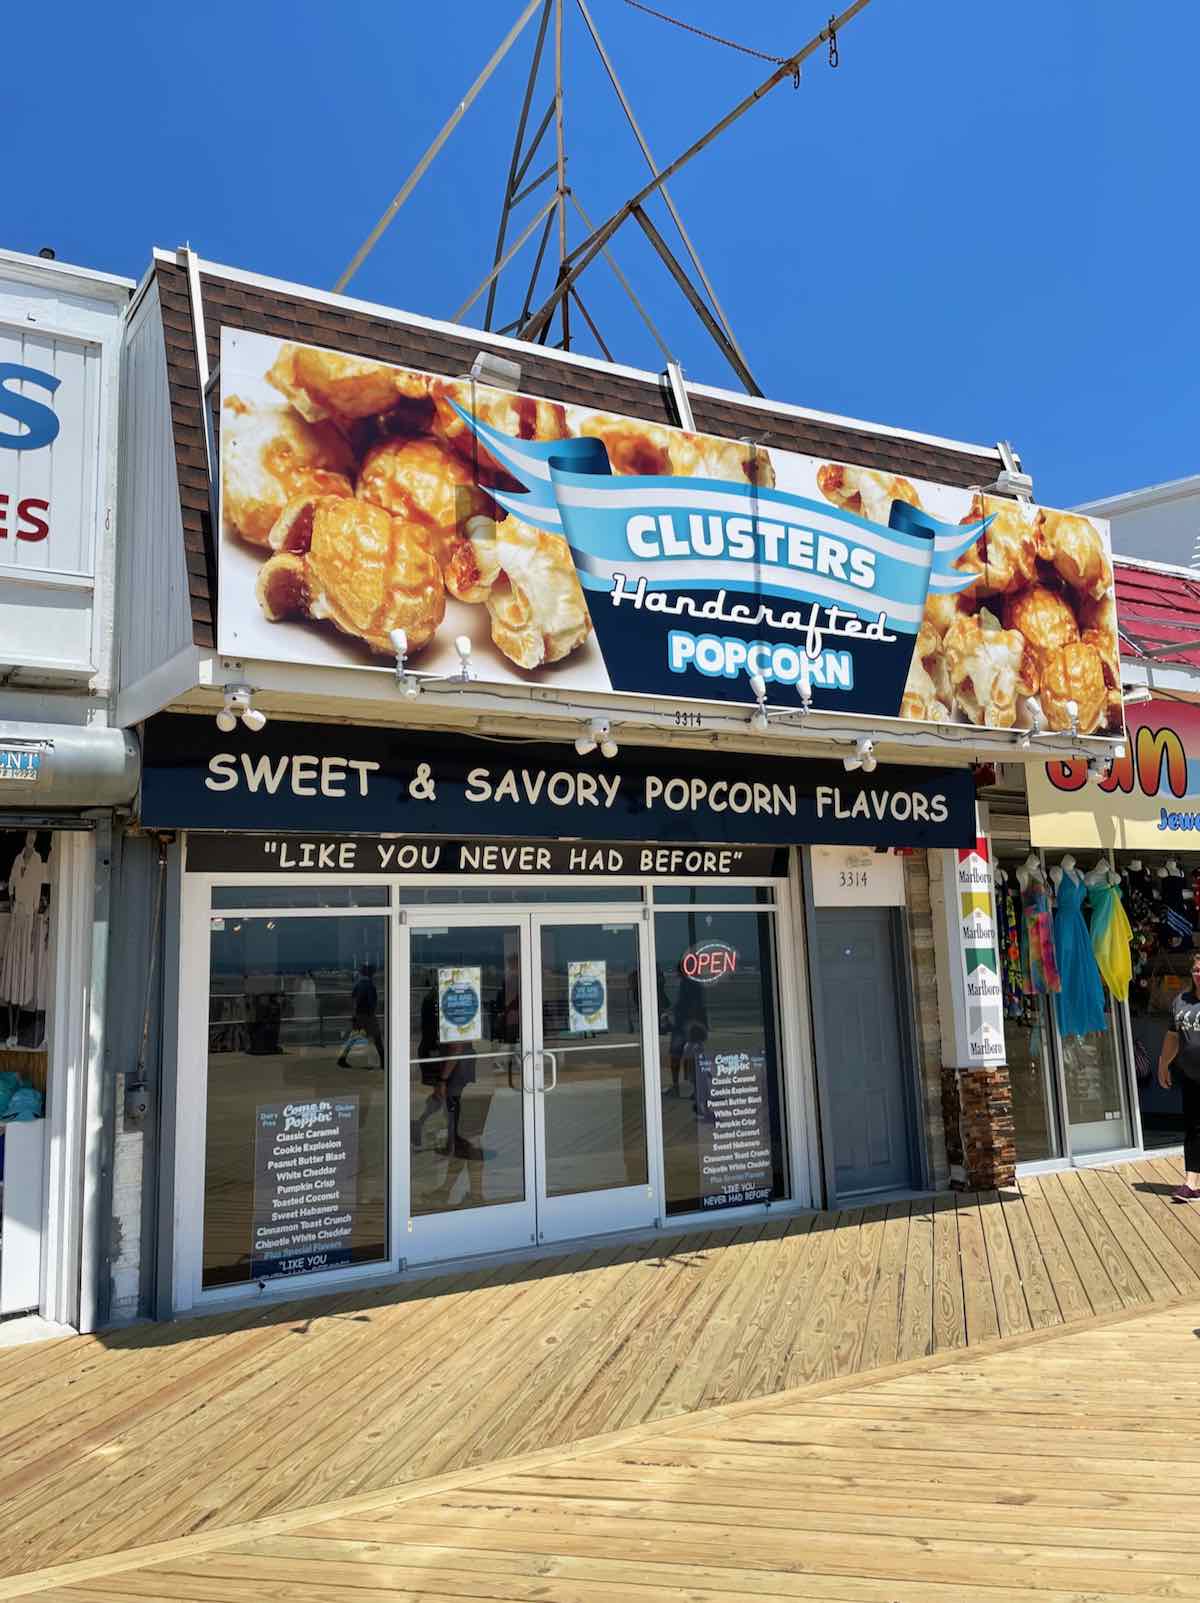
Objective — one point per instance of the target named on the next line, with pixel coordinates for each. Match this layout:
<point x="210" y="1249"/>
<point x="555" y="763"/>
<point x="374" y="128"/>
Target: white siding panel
<point x="154" y="620"/>
<point x="63" y="474"/>
<point x="45" y="625"/>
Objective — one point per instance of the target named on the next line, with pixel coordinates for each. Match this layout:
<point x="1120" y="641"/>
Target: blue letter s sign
<point x="40" y="423"/>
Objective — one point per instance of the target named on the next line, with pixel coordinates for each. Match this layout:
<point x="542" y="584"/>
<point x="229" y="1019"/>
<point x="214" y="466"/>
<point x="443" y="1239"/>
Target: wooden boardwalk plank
<point x="1069" y="1290"/>
<point x="1121" y="1271"/>
<point x="916" y="1300"/>
<point x="881" y="1339"/>
<point x="819" y="1327"/>
<point x="949" y="1310"/>
<point x="1156" y="1223"/>
<point x="1011" y="1308"/>
<point x="246" y="1417"/>
<point x="1035" y="1278"/>
<point x="1089" y="1265"/>
<point x="979" y="1293"/>
<point x="850" y="1334"/>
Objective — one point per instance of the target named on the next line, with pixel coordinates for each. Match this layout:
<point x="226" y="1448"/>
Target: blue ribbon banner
<point x="702" y="576"/>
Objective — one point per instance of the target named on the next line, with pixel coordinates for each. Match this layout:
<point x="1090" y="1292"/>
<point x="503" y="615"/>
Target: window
<point x="296" y="1138"/>
<point x="720" y="1066"/>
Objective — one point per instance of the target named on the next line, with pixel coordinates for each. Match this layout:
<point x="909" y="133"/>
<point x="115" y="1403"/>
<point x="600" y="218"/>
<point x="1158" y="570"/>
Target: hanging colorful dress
<point x="1080" y="1001"/>
<point x="1111" y="935"/>
<point x="1039" y="964"/>
<point x="1008" y="931"/>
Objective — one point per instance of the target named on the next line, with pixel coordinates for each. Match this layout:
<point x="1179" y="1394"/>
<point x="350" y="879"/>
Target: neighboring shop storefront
<point x="555" y="800"/>
<point x="63" y="770"/>
<point x="1125" y="839"/>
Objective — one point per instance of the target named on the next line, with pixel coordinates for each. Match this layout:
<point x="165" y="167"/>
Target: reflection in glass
<point x="1027" y="1048"/>
<point x="293" y="893"/>
<point x="720" y="895"/>
<point x="466" y="1106"/>
<point x="508" y="895"/>
<point x="593" y="1070"/>
<point x="296" y="1138"/>
<point x="720" y="1068"/>
<point x="1095" y="1097"/>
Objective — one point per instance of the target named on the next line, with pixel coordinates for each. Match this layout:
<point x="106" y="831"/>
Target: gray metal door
<point x="865" y="1062"/>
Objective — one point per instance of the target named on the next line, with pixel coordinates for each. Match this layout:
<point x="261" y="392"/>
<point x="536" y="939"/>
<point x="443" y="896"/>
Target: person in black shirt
<point x="364" y="1002"/>
<point x="1181" y="1049"/>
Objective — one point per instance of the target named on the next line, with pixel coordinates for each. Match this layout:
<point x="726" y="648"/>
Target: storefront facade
<point x="64" y="770"/>
<point x="1132" y="830"/>
<point x="549" y="826"/>
<point x="405" y="1048"/>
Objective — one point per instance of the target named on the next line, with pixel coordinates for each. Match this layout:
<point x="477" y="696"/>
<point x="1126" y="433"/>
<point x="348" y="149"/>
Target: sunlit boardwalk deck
<point x="352" y="1436"/>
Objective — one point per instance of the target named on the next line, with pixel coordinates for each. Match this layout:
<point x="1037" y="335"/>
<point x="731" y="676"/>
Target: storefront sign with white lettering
<point x="374" y="854"/>
<point x="327" y="778"/>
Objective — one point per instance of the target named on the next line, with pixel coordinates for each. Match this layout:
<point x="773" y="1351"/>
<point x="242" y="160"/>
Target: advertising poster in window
<point x="736" y="1160"/>
<point x="609" y="554"/>
<point x="460" y="1010"/>
<point x="587" y="996"/>
<point x="305" y="1186"/>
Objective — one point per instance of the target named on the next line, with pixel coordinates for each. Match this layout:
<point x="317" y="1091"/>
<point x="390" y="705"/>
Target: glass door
<point x="1095" y="1081"/>
<point x="527" y="1081"/>
<point x="471" y="1083"/>
<point x="591" y="1120"/>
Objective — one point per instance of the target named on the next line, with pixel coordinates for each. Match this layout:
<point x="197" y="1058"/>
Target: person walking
<point x="1181" y="1047"/>
<point x="364" y="1001"/>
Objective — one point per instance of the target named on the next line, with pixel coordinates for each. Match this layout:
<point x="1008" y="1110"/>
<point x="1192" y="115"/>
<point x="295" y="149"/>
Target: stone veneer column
<point x="980" y="1139"/>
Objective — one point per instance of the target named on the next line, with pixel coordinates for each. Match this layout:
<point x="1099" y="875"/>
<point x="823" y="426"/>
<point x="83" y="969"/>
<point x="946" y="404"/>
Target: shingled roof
<point x="1158" y="612"/>
<point x="237" y="301"/>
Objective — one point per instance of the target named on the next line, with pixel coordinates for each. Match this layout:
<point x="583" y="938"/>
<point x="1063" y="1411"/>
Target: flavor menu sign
<point x="736" y="1158"/>
<point x="305" y="1186"/>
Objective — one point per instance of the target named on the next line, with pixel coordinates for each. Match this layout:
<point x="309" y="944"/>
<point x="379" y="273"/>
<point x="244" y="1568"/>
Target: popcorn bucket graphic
<point x="695" y="584"/>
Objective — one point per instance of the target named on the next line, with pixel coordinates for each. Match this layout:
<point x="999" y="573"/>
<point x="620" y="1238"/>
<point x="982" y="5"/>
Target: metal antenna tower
<point x="537" y="320"/>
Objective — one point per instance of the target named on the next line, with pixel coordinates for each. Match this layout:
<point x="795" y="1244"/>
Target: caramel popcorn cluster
<point x="1036" y="631"/>
<point x="371" y="500"/>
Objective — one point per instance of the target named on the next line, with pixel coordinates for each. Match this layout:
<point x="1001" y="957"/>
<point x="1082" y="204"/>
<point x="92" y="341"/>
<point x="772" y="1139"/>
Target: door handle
<point x="530" y="1084"/>
<point x="553" y="1086"/>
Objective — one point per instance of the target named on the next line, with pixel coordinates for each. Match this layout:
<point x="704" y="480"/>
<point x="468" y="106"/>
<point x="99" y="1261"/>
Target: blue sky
<point x="981" y="225"/>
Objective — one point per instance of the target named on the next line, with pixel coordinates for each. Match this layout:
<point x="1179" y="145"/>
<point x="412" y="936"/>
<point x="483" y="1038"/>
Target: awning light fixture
<point x="239" y="705"/>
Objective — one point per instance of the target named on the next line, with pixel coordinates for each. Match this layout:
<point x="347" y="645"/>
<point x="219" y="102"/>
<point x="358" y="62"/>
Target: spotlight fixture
<point x="498" y="371"/>
<point x="238" y="705"/>
<point x="760" y="721"/>
<point x="597" y="732"/>
<point x="411" y="683"/>
<point x="462" y="644"/>
<point x="1136" y="695"/>
<point x="1073" y="716"/>
<point x="864" y="757"/>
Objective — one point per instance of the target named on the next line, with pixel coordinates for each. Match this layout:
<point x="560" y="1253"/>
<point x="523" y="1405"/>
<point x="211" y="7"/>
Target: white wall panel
<point x="154" y="619"/>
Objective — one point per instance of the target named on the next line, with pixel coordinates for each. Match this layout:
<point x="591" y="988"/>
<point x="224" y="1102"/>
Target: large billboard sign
<point x="53" y="484"/>
<point x="1149" y="799"/>
<point x="592" y="552"/>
